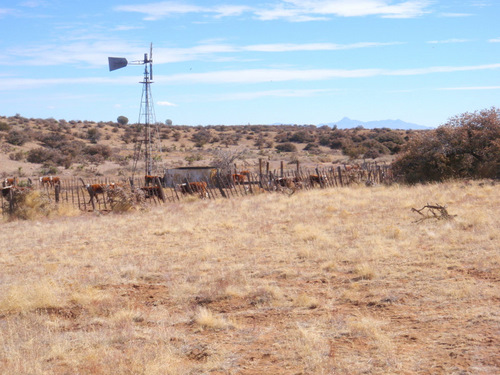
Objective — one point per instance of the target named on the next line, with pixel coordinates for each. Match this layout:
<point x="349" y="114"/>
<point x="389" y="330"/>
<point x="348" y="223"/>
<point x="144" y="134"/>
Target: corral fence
<point x="104" y="194"/>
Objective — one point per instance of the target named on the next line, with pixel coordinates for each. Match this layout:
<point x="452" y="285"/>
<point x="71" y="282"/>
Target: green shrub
<point x="17" y="138"/>
<point x="44" y="155"/>
<point x="286" y="147"/>
<point x="467" y="146"/>
<point x="4" y="127"/>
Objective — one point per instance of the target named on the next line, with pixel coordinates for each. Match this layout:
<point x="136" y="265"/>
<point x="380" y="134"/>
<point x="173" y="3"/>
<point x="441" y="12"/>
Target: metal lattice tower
<point x="147" y="148"/>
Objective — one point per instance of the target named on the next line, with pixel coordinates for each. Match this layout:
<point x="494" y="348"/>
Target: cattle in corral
<point x="199" y="187"/>
<point x="150" y="179"/>
<point x="289" y="182"/>
<point x="95" y="189"/>
<point x="50" y="181"/>
<point x="317" y="179"/>
<point x="151" y="191"/>
<point x="238" y="178"/>
<point x="353" y="167"/>
<point x="9" y="181"/>
<point x="15" y="190"/>
<point x="6" y="191"/>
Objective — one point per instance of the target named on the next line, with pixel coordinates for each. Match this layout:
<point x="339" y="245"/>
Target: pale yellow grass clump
<point x="208" y="319"/>
<point x="25" y="297"/>
<point x="323" y="281"/>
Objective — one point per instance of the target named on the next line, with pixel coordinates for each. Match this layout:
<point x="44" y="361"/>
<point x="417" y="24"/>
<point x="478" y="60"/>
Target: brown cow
<point x="285" y="182"/>
<point x="95" y="189"/>
<point x="151" y="191"/>
<point x="317" y="179"/>
<point x="238" y="178"/>
<point x="194" y="187"/>
<point x="150" y="179"/>
<point x="50" y="181"/>
<point x="10" y="181"/>
<point x="353" y="167"/>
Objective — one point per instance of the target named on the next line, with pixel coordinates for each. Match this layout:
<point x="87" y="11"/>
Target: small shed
<point x="176" y="176"/>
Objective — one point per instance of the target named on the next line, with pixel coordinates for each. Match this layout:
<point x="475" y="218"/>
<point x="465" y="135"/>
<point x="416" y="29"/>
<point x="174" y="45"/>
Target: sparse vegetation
<point x="65" y="143"/>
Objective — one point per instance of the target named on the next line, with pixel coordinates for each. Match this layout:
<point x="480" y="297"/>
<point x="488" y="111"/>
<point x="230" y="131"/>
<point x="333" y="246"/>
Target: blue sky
<point x="236" y="62"/>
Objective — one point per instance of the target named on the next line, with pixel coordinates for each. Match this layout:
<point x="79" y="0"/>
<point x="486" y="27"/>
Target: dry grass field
<point x="333" y="281"/>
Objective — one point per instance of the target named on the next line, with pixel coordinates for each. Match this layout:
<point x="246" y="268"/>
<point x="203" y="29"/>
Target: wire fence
<point x="104" y="194"/>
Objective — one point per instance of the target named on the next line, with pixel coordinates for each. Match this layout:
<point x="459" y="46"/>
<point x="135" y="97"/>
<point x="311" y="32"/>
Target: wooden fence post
<point x="219" y="185"/>
<point x="57" y="190"/>
<point x="340" y="176"/>
<point x="11" y="201"/>
<point x="160" y="189"/>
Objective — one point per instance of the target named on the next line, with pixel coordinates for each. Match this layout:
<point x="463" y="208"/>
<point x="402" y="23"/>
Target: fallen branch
<point x="436" y="211"/>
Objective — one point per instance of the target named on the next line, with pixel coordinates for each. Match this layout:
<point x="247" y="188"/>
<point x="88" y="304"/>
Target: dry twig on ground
<point x="436" y="211"/>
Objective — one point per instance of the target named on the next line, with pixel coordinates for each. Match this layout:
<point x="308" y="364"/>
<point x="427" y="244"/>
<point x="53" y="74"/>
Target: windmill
<point x="149" y="145"/>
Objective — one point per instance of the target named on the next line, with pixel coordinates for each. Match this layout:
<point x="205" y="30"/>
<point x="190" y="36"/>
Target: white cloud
<point x="242" y="76"/>
<point x="290" y="47"/>
<point x="470" y="88"/>
<point x="33" y="4"/>
<point x="4" y="11"/>
<point x="155" y="11"/>
<point x="91" y="53"/>
<point x="455" y="15"/>
<point x="166" y="104"/>
<point x="481" y="4"/>
<point x="204" y="51"/>
<point x="448" y="41"/>
<point x="94" y="53"/>
<point x="127" y="28"/>
<point x="290" y="10"/>
<point x="281" y="75"/>
<point x="294" y="10"/>
<point x="269" y="93"/>
<point x="440" y="69"/>
<point x="230" y="10"/>
<point x="9" y="84"/>
<point x="494" y="40"/>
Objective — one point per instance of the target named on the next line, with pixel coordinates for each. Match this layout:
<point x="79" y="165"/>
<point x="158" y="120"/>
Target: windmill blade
<point x="151" y="71"/>
<point x="117" y="63"/>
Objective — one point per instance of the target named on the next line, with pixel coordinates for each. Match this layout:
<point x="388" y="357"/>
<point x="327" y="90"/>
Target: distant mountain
<point x="347" y="123"/>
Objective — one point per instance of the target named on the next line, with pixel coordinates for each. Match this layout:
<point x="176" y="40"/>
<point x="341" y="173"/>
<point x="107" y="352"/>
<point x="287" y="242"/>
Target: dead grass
<point x="326" y="281"/>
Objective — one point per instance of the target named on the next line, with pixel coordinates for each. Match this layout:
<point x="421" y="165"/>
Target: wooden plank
<point x="160" y="189"/>
<point x="219" y="185"/>
<point x="340" y="176"/>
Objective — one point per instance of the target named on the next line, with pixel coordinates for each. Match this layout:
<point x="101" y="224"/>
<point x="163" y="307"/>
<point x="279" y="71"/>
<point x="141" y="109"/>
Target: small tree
<point x="122" y="120"/>
<point x="224" y="159"/>
<point x="467" y="146"/>
<point x="286" y="147"/>
<point x="93" y="135"/>
<point x="17" y="137"/>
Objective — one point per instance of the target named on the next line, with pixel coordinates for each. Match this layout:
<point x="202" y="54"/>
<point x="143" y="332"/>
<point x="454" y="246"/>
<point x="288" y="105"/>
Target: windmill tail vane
<point x="151" y="139"/>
